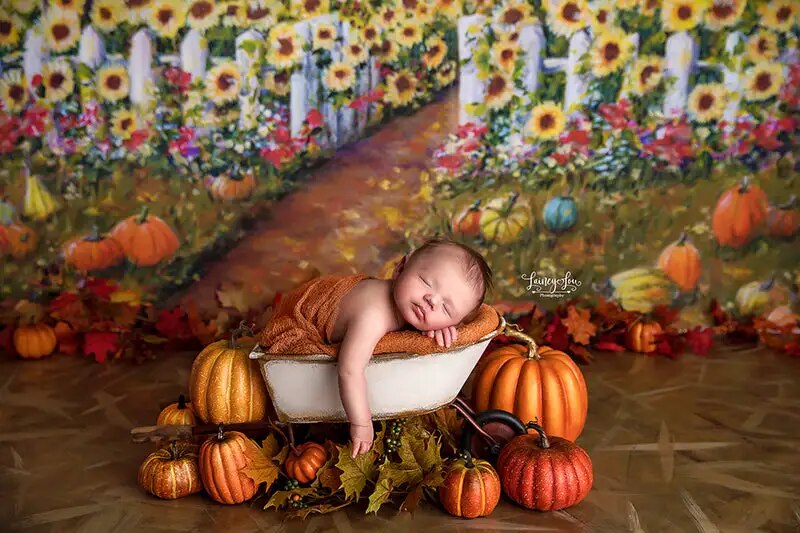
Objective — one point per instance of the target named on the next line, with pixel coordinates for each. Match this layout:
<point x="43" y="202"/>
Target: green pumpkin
<point x="560" y="214"/>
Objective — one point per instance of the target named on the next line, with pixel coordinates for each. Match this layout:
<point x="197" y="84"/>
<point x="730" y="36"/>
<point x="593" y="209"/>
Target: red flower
<point x="136" y="139"/>
<point x="450" y="162"/>
<point x="180" y="79"/>
<point x="36" y="80"/>
<point x="9" y="133"/>
<point x="314" y="118"/>
<point x="282" y="135"/>
<point x="34" y="121"/>
<point x="277" y="156"/>
<point x="580" y="137"/>
<point x="616" y="114"/>
<point x="470" y="129"/>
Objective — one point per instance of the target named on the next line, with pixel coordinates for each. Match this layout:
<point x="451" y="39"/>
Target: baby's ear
<point x="399" y="267"/>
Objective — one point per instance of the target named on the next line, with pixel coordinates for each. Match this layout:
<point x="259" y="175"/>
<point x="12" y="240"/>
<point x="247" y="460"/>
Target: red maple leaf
<point x="793" y="349"/>
<point x="720" y="317"/>
<point x="173" y="324"/>
<point x="670" y="344"/>
<point x="665" y="315"/>
<point x="100" y="344"/>
<point x="7" y="340"/>
<point x="608" y="346"/>
<point x="700" y="339"/>
<point x="62" y="301"/>
<point x="100" y="287"/>
<point x="556" y="334"/>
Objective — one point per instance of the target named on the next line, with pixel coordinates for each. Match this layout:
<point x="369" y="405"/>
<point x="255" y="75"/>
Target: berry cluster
<point x="291" y="484"/>
<point x="392" y="439"/>
<point x="296" y="502"/>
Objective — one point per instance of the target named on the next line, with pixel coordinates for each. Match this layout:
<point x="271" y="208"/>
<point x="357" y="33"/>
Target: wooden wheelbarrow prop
<point x="304" y="390"/>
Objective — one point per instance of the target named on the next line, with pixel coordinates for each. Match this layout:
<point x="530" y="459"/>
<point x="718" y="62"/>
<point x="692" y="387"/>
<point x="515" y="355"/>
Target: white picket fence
<point x="681" y="58"/>
<point x="345" y="124"/>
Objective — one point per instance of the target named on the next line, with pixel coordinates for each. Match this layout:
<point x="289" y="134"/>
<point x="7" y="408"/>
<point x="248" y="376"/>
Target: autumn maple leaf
<point x="100" y="344"/>
<point x="100" y="287"/>
<point x="173" y="324"/>
<point x="556" y="335"/>
<point x="700" y="339"/>
<point x="579" y="324"/>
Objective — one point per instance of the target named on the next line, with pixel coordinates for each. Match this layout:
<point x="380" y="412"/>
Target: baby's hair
<point x="475" y="266"/>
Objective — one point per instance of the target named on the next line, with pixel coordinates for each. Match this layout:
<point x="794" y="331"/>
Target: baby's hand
<point x="361" y="437"/>
<point x="444" y="337"/>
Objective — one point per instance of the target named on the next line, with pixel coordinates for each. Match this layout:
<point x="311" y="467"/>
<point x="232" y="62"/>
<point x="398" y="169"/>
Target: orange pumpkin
<point x="224" y="187"/>
<point x="468" y="221"/>
<point x="783" y="220"/>
<point x="533" y="382"/>
<point x="93" y="252"/>
<point x="739" y="214"/>
<point x="146" y="239"/>
<point x="305" y="461"/>
<point x="171" y="472"/>
<point x="34" y="341"/>
<point x="222" y="458"/>
<point x="471" y="488"/>
<point x="20" y="240"/>
<point x="177" y="414"/>
<point x="680" y="261"/>
<point x="640" y="336"/>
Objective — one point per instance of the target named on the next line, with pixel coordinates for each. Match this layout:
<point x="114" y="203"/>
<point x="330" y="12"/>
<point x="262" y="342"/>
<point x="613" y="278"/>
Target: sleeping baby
<point x="438" y="287"/>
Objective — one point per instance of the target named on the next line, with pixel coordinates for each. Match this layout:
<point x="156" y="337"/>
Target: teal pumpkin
<point x="560" y="214"/>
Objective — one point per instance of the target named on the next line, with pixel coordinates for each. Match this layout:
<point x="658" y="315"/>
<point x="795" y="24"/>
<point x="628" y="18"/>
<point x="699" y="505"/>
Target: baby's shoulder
<point x="370" y="297"/>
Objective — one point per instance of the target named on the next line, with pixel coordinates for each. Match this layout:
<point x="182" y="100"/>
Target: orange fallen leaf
<point x="579" y="325"/>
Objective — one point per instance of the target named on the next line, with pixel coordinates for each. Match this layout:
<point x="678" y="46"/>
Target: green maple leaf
<point x="420" y="453"/>
<point x="383" y="489"/>
<point x="356" y="472"/>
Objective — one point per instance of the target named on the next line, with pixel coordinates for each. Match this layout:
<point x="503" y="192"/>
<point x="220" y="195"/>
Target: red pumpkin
<point x="305" y="461"/>
<point x="783" y="220"/>
<point x="93" y="252"/>
<point x="222" y="459"/>
<point x="224" y="187"/>
<point x="471" y="488"/>
<point x="544" y="473"/>
<point x="178" y="414"/>
<point x="146" y="239"/>
<point x="171" y="472"/>
<point x="739" y="214"/>
<point x="468" y="221"/>
<point x="680" y="261"/>
<point x="641" y="336"/>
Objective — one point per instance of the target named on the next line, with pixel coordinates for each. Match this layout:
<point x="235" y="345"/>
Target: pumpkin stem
<point x="243" y="328"/>
<point x="475" y="205"/>
<point x="514" y="331"/>
<point x="143" y="215"/>
<point x="544" y="442"/>
<point x="511" y="202"/>
<point x="767" y="285"/>
<point x="181" y="402"/>
<point x="683" y="238"/>
<point x="94" y="236"/>
<point x="220" y="433"/>
<point x="745" y="184"/>
<point x="173" y="450"/>
<point x="790" y="204"/>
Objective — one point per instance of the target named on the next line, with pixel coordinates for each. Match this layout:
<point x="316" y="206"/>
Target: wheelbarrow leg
<point x="291" y="436"/>
<point x="468" y="414"/>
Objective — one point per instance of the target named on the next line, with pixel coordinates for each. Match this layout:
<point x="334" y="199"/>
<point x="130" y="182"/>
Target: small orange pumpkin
<point x="468" y="221"/>
<point x="305" y="461"/>
<point x="171" y="472"/>
<point x="177" y="414"/>
<point x="640" y="336"/>
<point x="93" y="252"/>
<point x="224" y="187"/>
<point x="783" y="220"/>
<point x="739" y="214"/>
<point x="222" y="459"/>
<point x="146" y="239"/>
<point x="21" y="240"/>
<point x="471" y="488"/>
<point x="34" y="341"/>
<point x="680" y="261"/>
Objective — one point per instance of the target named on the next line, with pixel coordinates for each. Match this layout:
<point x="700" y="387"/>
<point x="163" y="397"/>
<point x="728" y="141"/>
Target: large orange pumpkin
<point x="544" y="473"/>
<point x="224" y="187"/>
<point x="739" y="214"/>
<point x="34" y="341"/>
<point x="177" y="414"/>
<point x="641" y="336"/>
<point x="171" y="472"/>
<point x="225" y="385"/>
<point x="222" y="459"/>
<point x="471" y="488"/>
<point x="533" y="382"/>
<point x="146" y="239"/>
<point x="305" y="461"/>
<point x="93" y="252"/>
<point x="783" y="220"/>
<point x="680" y="261"/>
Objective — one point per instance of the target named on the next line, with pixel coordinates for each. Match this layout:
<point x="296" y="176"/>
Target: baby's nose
<point x="433" y="300"/>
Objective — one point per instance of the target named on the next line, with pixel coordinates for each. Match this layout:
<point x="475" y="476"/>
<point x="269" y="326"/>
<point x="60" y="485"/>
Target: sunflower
<point x="113" y="83"/>
<point x="763" y="81"/>
<point x="123" y="123"/>
<point x="504" y="55"/>
<point x="58" y="79"/>
<point x="649" y="7"/>
<point x="514" y="13"/>
<point x="233" y="13"/>
<point x="107" y="14"/>
<point x="779" y="15"/>
<point x="286" y="46"/>
<point x="13" y="92"/>
<point x="278" y="82"/>
<point x="202" y="15"/>
<point x="627" y="4"/>
<point x="450" y="9"/>
<point x="371" y="35"/>
<point x="446" y="74"/>
<point x="223" y="82"/>
<point x="511" y="36"/>
<point x="762" y="46"/>
<point x="602" y="16"/>
<point x="262" y="14"/>
<point x="138" y="10"/>
<point x="646" y="74"/>
<point x="9" y="29"/>
<point x="69" y="5"/>
<point x="388" y="17"/>
<point x="325" y="37"/>
<point x="310" y="8"/>
<point x="724" y="13"/>
<point x="408" y="34"/>
<point x="547" y="121"/>
<point x="681" y="15"/>
<point x="707" y="101"/>
<point x="167" y="17"/>
<point x="400" y="88"/>
<point x="499" y="90"/>
<point x="355" y="54"/>
<point x="610" y="50"/>
<point x="388" y="51"/>
<point x="424" y="13"/>
<point x="62" y="30"/>
<point x="568" y="16"/>
<point x="339" y="77"/>
<point x="25" y="7"/>
<point x="436" y="50"/>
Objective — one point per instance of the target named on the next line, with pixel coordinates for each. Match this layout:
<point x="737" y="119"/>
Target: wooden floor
<point x="699" y="444"/>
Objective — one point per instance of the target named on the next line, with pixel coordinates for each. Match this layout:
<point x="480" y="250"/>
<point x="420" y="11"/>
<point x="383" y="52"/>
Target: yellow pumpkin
<point x="171" y="472"/>
<point x="224" y="187"/>
<point x="502" y="219"/>
<point x="34" y="341"/>
<point x="177" y="414"/>
<point x="756" y="297"/>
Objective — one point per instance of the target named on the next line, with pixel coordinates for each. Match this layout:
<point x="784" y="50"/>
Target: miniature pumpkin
<point x="468" y="221"/>
<point x="171" y="472"/>
<point x="305" y="461"/>
<point x="21" y="240"/>
<point x="503" y="220"/>
<point x="783" y="220"/>
<point x="756" y="297"/>
<point x="93" y="252"/>
<point x="641" y="289"/>
<point x="544" y="473"/>
<point x="145" y="239"/>
<point x="224" y="187"/>
<point x="34" y="341"/>
<point x="680" y="261"/>
<point x="783" y="316"/>
<point x="177" y="414"/>
<point x="533" y="382"/>
<point x="471" y="488"/>
<point x="222" y="458"/>
<point x="739" y="213"/>
<point x="560" y="214"/>
<point x="641" y="336"/>
<point x="226" y="385"/>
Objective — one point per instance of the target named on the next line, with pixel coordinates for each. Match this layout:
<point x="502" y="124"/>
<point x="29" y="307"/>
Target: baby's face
<point x="433" y="292"/>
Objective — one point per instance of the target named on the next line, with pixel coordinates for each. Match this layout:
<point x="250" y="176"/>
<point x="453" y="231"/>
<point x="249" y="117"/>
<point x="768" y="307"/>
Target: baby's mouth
<point x="420" y="312"/>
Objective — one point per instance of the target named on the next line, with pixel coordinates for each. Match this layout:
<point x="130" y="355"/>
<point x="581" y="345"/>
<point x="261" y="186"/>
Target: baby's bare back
<point x="370" y="299"/>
